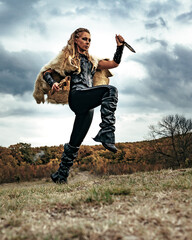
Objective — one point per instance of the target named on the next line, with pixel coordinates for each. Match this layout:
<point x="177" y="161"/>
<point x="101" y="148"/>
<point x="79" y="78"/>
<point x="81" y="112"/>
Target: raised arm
<point x="104" y="64"/>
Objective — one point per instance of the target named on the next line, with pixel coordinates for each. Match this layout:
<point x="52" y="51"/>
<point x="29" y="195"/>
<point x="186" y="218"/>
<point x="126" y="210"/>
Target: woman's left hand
<point x="55" y="87"/>
<point x="119" y="40"/>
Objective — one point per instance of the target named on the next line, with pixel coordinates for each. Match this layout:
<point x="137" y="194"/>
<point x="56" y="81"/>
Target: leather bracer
<point x="48" y="78"/>
<point x="118" y="54"/>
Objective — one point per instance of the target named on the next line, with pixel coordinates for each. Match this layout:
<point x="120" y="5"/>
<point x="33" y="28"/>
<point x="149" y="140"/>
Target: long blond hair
<point x="71" y="48"/>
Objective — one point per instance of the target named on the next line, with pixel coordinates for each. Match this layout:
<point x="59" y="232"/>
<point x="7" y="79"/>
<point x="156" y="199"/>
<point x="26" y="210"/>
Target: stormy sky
<point x="154" y="82"/>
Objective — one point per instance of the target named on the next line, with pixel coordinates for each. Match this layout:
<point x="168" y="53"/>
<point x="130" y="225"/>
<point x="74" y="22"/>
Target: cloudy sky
<point x="154" y="82"/>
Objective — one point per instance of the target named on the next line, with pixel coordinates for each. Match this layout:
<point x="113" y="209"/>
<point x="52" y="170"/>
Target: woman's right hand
<point x="55" y="87"/>
<point x="119" y="39"/>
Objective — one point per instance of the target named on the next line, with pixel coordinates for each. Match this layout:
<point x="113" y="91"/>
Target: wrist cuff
<point x="118" y="54"/>
<point x="48" y="78"/>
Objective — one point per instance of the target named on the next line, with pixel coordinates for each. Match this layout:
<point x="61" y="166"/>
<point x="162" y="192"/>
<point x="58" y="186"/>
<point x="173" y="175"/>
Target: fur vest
<point x="41" y="88"/>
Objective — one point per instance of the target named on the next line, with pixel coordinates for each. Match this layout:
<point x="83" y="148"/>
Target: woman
<point x="84" y="97"/>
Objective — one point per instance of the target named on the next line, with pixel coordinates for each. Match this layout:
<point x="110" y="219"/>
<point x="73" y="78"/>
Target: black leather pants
<point x="82" y="102"/>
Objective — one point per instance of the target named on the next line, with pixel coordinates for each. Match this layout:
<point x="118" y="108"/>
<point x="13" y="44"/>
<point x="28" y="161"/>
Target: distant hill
<point x="21" y="162"/>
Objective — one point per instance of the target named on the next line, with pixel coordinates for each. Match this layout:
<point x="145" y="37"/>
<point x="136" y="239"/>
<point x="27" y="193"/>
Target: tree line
<point x="169" y="146"/>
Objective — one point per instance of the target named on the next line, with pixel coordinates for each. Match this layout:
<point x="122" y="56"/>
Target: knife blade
<point x="129" y="47"/>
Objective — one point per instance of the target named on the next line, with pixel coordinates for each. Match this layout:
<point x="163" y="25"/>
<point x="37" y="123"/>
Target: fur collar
<point x="41" y="88"/>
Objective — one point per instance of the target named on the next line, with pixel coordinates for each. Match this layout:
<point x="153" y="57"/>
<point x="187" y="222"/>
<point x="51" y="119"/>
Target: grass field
<point x="150" y="205"/>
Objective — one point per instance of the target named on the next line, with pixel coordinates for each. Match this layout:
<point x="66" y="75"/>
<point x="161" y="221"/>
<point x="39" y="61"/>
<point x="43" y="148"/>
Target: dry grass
<point x="151" y="205"/>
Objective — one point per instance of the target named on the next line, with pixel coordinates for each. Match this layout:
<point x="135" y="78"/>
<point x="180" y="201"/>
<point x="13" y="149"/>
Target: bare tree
<point x="173" y="138"/>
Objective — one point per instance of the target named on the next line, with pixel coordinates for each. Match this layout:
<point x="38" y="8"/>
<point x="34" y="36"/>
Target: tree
<point x="22" y="152"/>
<point x="173" y="138"/>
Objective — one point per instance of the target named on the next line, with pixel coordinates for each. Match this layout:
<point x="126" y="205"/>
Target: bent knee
<point x="113" y="91"/>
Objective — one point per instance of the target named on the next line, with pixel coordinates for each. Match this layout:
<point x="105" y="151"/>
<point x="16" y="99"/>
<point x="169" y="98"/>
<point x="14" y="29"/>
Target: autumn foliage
<point x="21" y="162"/>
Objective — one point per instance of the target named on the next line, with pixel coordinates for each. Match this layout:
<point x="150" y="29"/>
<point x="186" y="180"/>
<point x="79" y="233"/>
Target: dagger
<point x="129" y="47"/>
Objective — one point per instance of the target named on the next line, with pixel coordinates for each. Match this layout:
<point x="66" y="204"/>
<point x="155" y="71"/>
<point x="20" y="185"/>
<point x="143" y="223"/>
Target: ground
<point x="141" y="206"/>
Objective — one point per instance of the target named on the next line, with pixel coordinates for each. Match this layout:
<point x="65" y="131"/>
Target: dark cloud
<point x="157" y="8"/>
<point x="17" y="111"/>
<point x="70" y="8"/>
<point x="119" y="8"/>
<point x="18" y="70"/>
<point x="185" y="17"/>
<point x="151" y="25"/>
<point x="168" y="82"/>
<point x="152" y="40"/>
<point x="55" y="11"/>
<point x="162" y="22"/>
<point x="159" y="22"/>
<point x="122" y="8"/>
<point x="13" y="14"/>
<point x="76" y="12"/>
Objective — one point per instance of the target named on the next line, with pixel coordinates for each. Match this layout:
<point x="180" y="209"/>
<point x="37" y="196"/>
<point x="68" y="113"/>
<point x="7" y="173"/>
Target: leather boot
<point x="106" y="134"/>
<point x="69" y="154"/>
<point x="111" y="147"/>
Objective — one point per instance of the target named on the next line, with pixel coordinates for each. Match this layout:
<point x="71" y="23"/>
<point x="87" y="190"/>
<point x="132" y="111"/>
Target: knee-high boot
<point x="69" y="154"/>
<point x="106" y="134"/>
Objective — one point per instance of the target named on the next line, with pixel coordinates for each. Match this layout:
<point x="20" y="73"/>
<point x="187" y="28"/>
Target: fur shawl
<point x="41" y="88"/>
